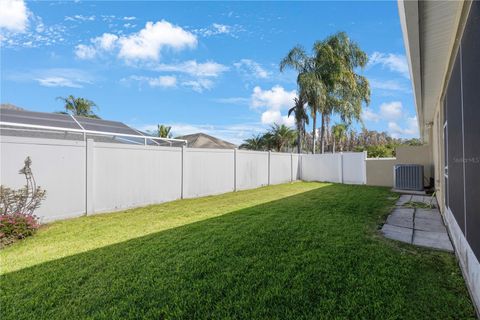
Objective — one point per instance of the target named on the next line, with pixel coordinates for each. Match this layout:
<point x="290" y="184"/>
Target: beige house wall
<point x="380" y="170"/>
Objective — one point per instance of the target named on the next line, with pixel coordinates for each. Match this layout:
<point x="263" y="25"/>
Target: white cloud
<point x="35" y="34"/>
<point x="145" y="45"/>
<point x="58" y="82"/>
<point x="199" y="85"/>
<point x="411" y="128"/>
<point x="276" y="98"/>
<point x="155" y="37"/>
<point x="391" y="110"/>
<point x="233" y="100"/>
<point x="107" y="41"/>
<point x="129" y="18"/>
<point x="104" y="43"/>
<point x="56" y="77"/>
<point x="79" y="17"/>
<point x="13" y="16"/>
<point x="273" y="100"/>
<point x="270" y="117"/>
<point x="251" y="68"/>
<point x="391" y="85"/>
<point x="161" y="81"/>
<point x="129" y="25"/>
<point x="218" y="29"/>
<point x="394" y="62"/>
<point x="193" y="68"/>
<point x="392" y="113"/>
<point x="369" y="115"/>
<point x="85" y="52"/>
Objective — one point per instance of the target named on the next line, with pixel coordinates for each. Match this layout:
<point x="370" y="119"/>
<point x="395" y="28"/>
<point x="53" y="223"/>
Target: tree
<point x="301" y="118"/>
<point x="339" y="133"/>
<point x="163" y="131"/>
<point x="256" y="142"/>
<point x="281" y="136"/>
<point x="309" y="85"/>
<point x="336" y="59"/>
<point x="78" y="107"/>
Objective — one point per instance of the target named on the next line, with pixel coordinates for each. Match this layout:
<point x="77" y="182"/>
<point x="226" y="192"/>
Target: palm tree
<point x="78" y="107"/>
<point x="301" y="118"/>
<point x="310" y="86"/>
<point x="281" y="136"/>
<point x="256" y="142"/>
<point x="339" y="132"/>
<point x="163" y="131"/>
<point x="337" y="57"/>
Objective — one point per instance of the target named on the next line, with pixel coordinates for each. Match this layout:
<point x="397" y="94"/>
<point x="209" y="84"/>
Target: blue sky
<point x="203" y="66"/>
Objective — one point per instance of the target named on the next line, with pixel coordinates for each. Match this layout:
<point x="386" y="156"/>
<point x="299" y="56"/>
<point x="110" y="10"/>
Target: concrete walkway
<point x="421" y="227"/>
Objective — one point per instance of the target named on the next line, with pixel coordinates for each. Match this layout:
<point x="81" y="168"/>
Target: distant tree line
<point x="337" y="139"/>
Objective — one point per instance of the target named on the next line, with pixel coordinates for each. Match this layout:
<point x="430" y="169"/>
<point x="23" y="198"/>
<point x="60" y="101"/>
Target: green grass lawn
<point x="292" y="251"/>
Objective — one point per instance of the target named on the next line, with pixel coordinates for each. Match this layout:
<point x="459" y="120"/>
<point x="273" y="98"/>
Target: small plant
<point x="17" y="220"/>
<point x="418" y="205"/>
<point x="422" y="205"/>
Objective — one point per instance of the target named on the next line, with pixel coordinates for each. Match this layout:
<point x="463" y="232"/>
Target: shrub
<point x="16" y="226"/>
<point x="17" y="220"/>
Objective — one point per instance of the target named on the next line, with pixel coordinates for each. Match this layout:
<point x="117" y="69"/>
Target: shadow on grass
<point x="312" y="255"/>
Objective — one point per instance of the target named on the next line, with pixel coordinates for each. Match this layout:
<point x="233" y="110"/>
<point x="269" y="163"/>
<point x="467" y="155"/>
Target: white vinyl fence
<point x="348" y="167"/>
<point x="92" y="177"/>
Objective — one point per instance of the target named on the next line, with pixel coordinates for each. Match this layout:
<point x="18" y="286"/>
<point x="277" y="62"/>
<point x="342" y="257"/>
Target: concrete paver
<point x="421" y="227"/>
<point x="404" y="198"/>
<point x="437" y="240"/>
<point x="397" y="233"/>
<point x="401" y="217"/>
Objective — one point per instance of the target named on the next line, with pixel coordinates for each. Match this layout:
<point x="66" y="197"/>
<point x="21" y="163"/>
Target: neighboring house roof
<point x="9" y="106"/>
<point x="202" y="140"/>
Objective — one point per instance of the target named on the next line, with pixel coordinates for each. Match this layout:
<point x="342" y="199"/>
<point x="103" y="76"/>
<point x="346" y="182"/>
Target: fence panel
<point x="280" y="167"/>
<point x="252" y="169"/>
<point x="354" y="168"/>
<point x="58" y="167"/>
<point x="129" y="176"/>
<point x="208" y="172"/>
<point x="321" y="167"/>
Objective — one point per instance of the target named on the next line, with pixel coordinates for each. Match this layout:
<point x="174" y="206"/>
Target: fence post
<point x="340" y="159"/>
<point x="269" y="166"/>
<point x="182" y="192"/>
<point x="300" y="174"/>
<point x="235" y="154"/>
<point x="365" y="155"/>
<point x="89" y="177"/>
<point x="291" y="167"/>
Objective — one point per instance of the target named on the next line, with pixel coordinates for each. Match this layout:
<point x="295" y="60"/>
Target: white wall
<point x="354" y="168"/>
<point x="94" y="177"/>
<point x="347" y="167"/>
<point x="129" y="176"/>
<point x="208" y="171"/>
<point x="321" y="167"/>
<point x="58" y="167"/>
<point x="280" y="167"/>
<point x="252" y="169"/>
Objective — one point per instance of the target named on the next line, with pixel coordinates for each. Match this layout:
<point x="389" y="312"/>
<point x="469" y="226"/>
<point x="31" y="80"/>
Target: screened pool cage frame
<point x="136" y="137"/>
